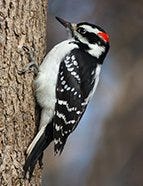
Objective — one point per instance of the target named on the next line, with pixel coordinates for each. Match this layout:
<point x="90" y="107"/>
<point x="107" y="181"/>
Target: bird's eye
<point x="81" y="31"/>
<point x="99" y="43"/>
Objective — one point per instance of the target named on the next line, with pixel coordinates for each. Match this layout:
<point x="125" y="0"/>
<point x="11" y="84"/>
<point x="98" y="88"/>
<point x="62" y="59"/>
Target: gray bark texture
<point x="22" y="22"/>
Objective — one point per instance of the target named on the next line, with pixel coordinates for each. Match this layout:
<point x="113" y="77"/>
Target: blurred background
<point x="106" y="149"/>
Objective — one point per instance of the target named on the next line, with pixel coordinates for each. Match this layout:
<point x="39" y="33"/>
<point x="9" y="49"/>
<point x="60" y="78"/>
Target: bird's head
<point x="90" y="37"/>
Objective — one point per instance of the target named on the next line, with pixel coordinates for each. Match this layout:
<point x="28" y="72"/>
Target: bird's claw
<point x="32" y="63"/>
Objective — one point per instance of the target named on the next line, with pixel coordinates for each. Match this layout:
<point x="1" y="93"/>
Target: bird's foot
<point x="31" y="64"/>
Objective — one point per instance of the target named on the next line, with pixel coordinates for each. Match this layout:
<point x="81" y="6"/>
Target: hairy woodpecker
<point x="66" y="81"/>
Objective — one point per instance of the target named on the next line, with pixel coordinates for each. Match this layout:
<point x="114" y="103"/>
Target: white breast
<point x="47" y="78"/>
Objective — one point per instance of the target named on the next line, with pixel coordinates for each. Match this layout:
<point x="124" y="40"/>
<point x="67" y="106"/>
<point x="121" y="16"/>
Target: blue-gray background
<point x="106" y="148"/>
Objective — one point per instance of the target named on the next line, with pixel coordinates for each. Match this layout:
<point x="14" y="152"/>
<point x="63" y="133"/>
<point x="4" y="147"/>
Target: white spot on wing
<point x="57" y="127"/>
<point x="62" y="116"/>
<point x="75" y="93"/>
<point x="61" y="73"/>
<point x="67" y="57"/>
<point x="75" y="63"/>
<point x="63" y="82"/>
<point x="73" y="73"/>
<point x="73" y="57"/>
<point x="56" y="141"/>
<point x="65" y="103"/>
<point x="68" y="88"/>
<point x="70" y="69"/>
<point x="68" y="65"/>
<point x="65" y="87"/>
<point x="62" y="78"/>
<point x="92" y="72"/>
<point x="78" y="112"/>
<point x="72" y="89"/>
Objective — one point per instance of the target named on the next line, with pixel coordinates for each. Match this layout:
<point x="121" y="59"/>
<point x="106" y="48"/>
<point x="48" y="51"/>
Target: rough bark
<point x="22" y="22"/>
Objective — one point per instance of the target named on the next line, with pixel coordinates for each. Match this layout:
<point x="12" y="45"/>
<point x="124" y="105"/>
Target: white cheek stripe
<point x="90" y="29"/>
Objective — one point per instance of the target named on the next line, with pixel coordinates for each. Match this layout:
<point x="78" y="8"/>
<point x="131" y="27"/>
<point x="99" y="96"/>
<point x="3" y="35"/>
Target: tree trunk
<point x="21" y="23"/>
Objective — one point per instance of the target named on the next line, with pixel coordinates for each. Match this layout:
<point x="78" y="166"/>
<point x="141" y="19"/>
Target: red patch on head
<point x="104" y="36"/>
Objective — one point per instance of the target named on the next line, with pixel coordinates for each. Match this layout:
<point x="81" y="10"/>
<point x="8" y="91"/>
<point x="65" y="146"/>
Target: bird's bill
<point x="66" y="24"/>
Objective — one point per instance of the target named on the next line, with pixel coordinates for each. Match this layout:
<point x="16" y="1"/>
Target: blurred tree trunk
<point x="21" y="23"/>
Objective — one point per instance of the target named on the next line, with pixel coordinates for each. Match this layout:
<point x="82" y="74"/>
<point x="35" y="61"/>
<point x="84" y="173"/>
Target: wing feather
<point x="75" y="82"/>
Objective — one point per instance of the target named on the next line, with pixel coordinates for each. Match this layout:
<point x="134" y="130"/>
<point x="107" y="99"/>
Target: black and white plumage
<point x="65" y="83"/>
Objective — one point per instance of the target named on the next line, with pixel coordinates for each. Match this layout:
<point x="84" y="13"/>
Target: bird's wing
<point x="75" y="83"/>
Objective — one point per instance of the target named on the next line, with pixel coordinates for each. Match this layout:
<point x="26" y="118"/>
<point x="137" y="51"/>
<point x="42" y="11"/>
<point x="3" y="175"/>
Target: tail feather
<point x="36" y="148"/>
<point x="35" y="140"/>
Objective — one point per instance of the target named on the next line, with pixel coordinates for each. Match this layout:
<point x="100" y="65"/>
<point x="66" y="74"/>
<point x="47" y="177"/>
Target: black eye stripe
<point x="93" y="38"/>
<point x="81" y="30"/>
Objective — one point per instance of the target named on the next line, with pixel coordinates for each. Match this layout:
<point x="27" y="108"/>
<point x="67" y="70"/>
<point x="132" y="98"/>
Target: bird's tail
<point x="35" y="151"/>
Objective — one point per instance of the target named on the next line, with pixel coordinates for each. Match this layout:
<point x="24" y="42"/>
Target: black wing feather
<point x="74" y="84"/>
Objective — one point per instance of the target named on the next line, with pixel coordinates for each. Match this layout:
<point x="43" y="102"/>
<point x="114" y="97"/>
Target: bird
<point x="66" y="81"/>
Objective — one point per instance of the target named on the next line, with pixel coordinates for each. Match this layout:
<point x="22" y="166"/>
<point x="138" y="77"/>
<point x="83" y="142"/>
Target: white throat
<point x="96" y="50"/>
